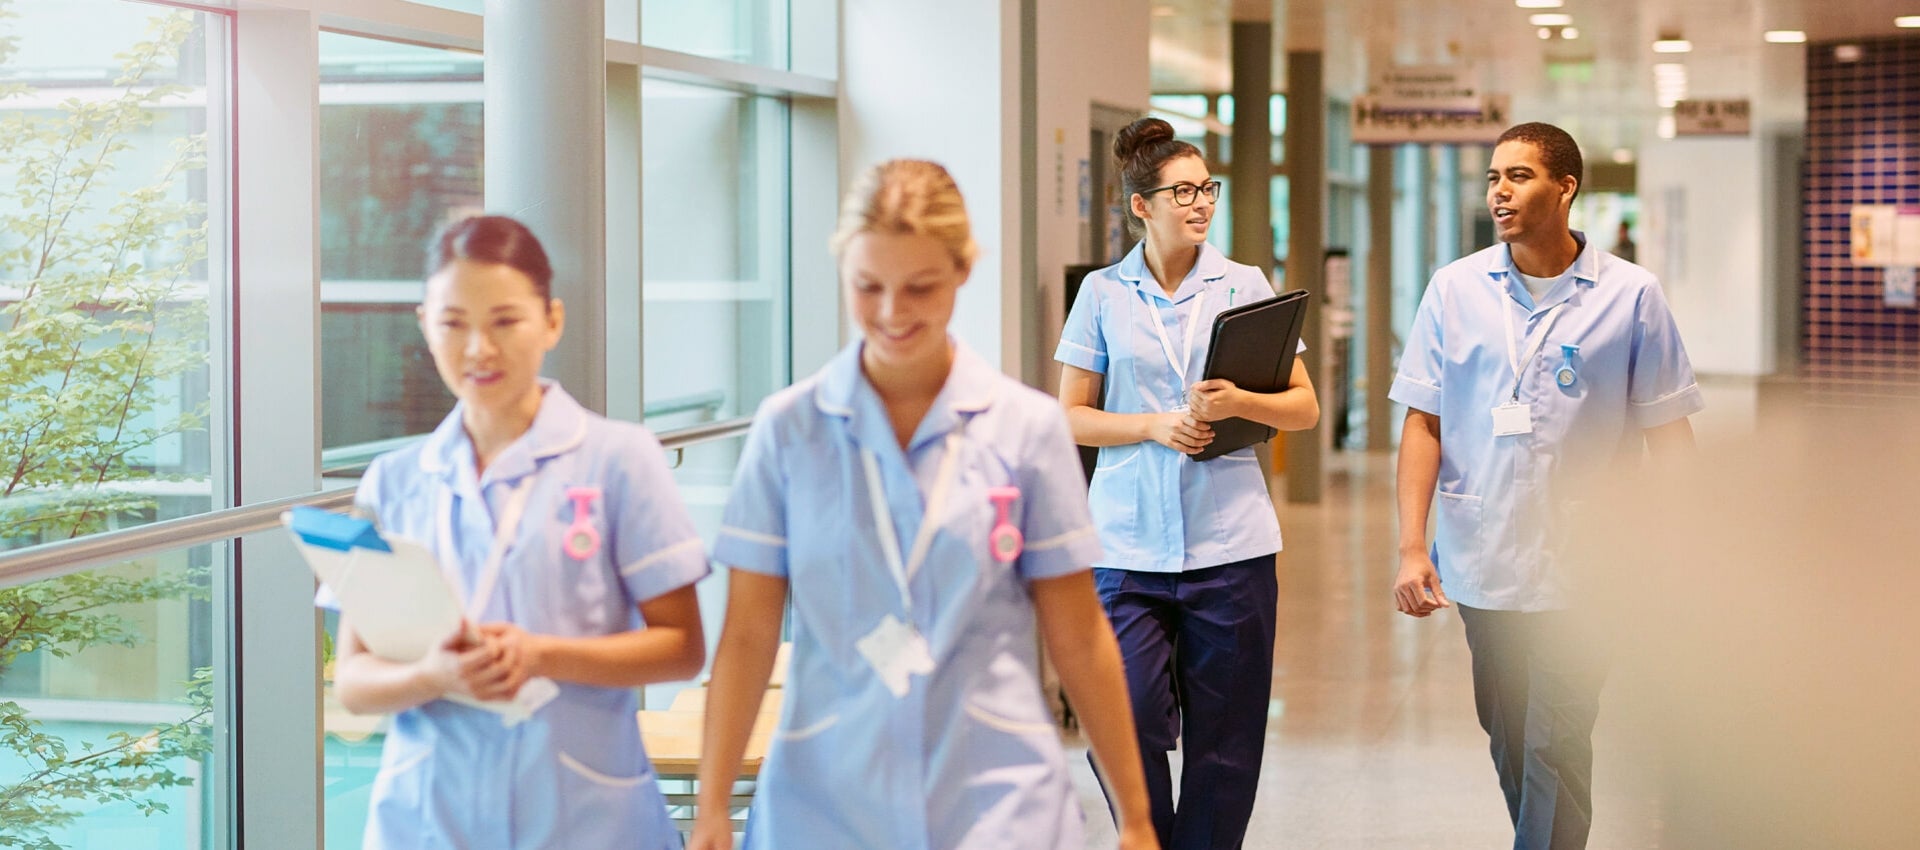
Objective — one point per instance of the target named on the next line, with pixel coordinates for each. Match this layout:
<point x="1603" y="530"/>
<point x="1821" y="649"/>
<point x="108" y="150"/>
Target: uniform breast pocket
<point x="578" y="540"/>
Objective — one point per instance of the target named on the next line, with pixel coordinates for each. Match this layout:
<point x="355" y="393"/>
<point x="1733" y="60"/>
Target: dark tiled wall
<point x="1863" y="147"/>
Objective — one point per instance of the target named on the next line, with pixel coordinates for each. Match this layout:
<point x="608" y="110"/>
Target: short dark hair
<point x="1142" y="148"/>
<point x="493" y="239"/>
<point x="1558" y="151"/>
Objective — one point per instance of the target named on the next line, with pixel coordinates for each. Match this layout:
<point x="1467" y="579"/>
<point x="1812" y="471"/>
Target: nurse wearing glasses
<point x="563" y="533"/>
<point x="925" y="514"/>
<point x="1188" y="575"/>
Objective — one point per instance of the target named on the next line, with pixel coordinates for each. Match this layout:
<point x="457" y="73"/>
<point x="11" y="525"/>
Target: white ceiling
<point x="1600" y="85"/>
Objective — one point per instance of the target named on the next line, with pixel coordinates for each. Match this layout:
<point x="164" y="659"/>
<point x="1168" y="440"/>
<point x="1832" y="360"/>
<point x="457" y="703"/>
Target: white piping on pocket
<point x="410" y="762"/>
<point x="1461" y="497"/>
<point x="806" y="732"/>
<point x="1249" y="457"/>
<point x="597" y="777"/>
<point x="1130" y="458"/>
<point x="1017" y="727"/>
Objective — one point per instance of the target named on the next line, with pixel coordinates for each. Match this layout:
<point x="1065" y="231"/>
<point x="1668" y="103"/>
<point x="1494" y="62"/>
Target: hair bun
<point x="1141" y="134"/>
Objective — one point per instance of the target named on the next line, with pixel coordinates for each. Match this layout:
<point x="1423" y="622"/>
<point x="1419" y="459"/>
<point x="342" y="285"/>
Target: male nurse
<point x="1534" y="368"/>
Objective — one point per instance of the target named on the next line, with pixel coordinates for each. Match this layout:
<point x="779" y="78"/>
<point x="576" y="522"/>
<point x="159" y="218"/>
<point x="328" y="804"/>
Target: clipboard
<point x="402" y="604"/>
<point x="1252" y="345"/>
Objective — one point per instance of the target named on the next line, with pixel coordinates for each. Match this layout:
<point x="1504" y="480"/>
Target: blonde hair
<point x="908" y="197"/>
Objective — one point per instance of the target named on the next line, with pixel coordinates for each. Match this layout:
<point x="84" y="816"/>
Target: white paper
<point x="402" y="607"/>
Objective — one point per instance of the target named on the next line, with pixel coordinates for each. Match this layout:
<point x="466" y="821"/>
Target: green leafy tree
<point x="103" y="315"/>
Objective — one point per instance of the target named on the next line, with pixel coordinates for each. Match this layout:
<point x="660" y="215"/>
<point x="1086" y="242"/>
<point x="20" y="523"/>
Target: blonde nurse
<point x="925" y="514"/>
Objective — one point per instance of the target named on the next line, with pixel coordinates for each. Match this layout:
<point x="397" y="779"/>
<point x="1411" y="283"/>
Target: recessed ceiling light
<point x="1552" y="19"/>
<point x="1545" y="33"/>
<point x="1907" y="22"/>
<point x="1786" y="37"/>
<point x="1569" y="33"/>
<point x="1848" y="53"/>
<point x="1539" y="4"/>
<point x="1622" y="155"/>
<point x="1665" y="128"/>
<point x="1673" y="45"/>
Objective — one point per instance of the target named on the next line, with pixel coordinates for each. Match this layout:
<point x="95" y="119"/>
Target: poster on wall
<point x="1900" y="286"/>
<point x="1873" y="234"/>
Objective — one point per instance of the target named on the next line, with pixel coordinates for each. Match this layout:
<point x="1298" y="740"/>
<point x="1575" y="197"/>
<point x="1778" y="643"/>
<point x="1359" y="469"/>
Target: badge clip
<point x="582" y="539"/>
<point x="1005" y="540"/>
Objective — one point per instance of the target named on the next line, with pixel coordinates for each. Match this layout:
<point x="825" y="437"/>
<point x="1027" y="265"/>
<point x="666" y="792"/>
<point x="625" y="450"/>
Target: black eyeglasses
<point x="1184" y="194"/>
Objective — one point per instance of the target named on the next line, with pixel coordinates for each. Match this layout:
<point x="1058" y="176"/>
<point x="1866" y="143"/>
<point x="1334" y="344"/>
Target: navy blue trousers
<point x="1198" y="650"/>
<point x="1536" y="685"/>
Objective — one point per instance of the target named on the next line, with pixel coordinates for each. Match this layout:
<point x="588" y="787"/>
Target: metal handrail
<point x="52" y="560"/>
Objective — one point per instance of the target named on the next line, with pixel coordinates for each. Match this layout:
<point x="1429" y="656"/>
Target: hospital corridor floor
<point x="1372" y="740"/>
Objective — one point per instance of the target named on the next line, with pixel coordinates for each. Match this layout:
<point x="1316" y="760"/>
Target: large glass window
<point x="400" y="155"/>
<point x="714" y="230"/>
<point x="752" y="32"/>
<point x="108" y="298"/>
<point x="112" y="279"/>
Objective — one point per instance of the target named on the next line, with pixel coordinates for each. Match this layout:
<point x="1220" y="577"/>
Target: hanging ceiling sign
<point x="1728" y="117"/>
<point x="1377" y="124"/>
<point x="1428" y="88"/>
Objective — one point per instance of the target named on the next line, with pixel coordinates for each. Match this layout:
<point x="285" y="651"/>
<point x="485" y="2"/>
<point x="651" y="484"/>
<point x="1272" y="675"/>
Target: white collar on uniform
<point x="559" y="427"/>
<point x="845" y="393"/>
<point x="1210" y="266"/>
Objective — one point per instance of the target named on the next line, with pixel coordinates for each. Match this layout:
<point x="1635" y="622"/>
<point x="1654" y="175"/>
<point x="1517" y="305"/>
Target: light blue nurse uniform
<point x="1223" y="513"/>
<point x="574" y="775"/>
<point x="1500" y="499"/>
<point x="968" y="757"/>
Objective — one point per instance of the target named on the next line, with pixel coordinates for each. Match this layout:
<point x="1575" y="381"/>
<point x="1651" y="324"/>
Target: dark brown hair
<point x="1141" y="149"/>
<point x="493" y="239"/>
<point x="1558" y="152"/>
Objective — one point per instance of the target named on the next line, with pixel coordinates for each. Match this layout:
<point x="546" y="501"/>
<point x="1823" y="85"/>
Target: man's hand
<point x="1416" y="592"/>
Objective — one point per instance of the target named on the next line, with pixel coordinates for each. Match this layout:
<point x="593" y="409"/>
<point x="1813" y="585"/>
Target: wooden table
<point x="673" y="741"/>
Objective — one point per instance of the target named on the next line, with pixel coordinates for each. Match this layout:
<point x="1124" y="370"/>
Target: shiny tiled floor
<point x="1373" y="742"/>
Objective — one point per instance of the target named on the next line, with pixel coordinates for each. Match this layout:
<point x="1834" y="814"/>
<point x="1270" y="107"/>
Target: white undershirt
<point x="1538" y="286"/>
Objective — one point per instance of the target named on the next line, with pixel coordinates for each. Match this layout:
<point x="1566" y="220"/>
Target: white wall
<point x="1090" y="52"/>
<point x="1700" y="201"/>
<point x="1711" y="212"/>
<point x="940" y="81"/>
<point x="943" y="81"/>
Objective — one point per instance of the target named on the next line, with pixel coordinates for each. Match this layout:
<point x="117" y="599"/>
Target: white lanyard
<point x="1513" y="353"/>
<point x="903" y="572"/>
<point x="1179" y="362"/>
<point x="505" y="528"/>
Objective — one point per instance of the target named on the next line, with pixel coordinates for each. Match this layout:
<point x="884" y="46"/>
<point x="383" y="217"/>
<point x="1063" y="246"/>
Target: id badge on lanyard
<point x="1512" y="418"/>
<point x="1179" y="361"/>
<point x="535" y="693"/>
<point x="895" y="649"/>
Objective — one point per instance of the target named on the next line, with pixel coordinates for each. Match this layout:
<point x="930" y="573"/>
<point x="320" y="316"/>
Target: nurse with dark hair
<point x="562" y="532"/>
<point x="1187" y="577"/>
